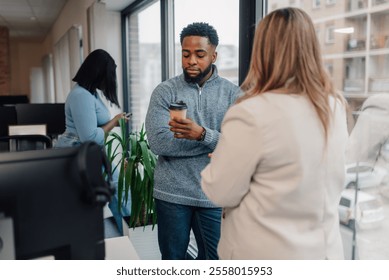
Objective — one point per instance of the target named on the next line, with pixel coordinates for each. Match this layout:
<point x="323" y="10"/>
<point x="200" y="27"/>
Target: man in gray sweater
<point x="183" y="145"/>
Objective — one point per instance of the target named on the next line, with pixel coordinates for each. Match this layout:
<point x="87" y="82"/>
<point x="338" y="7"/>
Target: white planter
<point x="145" y="241"/>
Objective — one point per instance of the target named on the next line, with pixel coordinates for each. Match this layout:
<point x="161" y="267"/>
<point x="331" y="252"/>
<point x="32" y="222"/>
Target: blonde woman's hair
<point x="286" y="55"/>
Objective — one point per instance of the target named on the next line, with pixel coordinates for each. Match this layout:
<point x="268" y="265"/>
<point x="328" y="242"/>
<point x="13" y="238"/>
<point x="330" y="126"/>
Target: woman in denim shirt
<point x="87" y="118"/>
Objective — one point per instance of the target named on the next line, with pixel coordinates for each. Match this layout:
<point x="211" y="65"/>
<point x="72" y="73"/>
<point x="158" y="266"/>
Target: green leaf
<point x="137" y="178"/>
<point x="146" y="158"/>
<point x="120" y="186"/>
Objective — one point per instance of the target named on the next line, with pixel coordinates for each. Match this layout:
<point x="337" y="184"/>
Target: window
<point x="353" y="5"/>
<point x="379" y="73"/>
<point x="318" y="33"/>
<point x="330" y="2"/>
<point x="354" y="75"/>
<point x="144" y="53"/>
<point x="380" y="2"/>
<point x="330" y="68"/>
<point x="315" y="4"/>
<point x="330" y="37"/>
<point x="379" y="38"/>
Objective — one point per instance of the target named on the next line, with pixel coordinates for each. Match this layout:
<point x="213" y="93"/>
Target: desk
<point x="120" y="248"/>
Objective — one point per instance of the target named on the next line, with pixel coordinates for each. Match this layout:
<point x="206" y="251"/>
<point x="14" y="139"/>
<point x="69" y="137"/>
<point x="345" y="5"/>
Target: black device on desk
<point x="52" y="203"/>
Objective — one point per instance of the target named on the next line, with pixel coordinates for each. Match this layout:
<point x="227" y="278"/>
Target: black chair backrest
<point x="7" y="117"/>
<point x="51" y="114"/>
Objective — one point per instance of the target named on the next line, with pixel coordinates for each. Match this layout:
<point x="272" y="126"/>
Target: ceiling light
<point x="345" y="30"/>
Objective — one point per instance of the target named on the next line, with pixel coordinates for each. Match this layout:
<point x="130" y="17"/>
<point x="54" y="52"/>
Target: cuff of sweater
<point x="211" y="138"/>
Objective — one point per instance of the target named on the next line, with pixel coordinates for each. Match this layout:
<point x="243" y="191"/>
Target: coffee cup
<point x="178" y="110"/>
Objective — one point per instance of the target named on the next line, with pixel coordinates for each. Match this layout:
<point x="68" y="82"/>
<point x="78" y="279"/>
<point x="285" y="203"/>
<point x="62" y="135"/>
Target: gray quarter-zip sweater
<point x="180" y="161"/>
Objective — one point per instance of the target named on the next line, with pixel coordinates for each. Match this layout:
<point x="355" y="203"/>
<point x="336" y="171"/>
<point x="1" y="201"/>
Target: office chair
<point x="27" y="142"/>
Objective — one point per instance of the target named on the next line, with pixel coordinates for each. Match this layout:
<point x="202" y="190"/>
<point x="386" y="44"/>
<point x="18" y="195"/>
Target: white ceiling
<point x="34" y="18"/>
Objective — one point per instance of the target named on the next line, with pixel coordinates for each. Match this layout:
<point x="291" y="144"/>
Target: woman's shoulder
<point x="265" y="101"/>
<point x="271" y="107"/>
<point x="80" y="93"/>
<point x="257" y="107"/>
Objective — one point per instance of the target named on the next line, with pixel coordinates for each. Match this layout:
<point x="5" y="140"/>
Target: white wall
<point x="37" y="86"/>
<point x="100" y="29"/>
<point x="105" y="33"/>
<point x="27" y="54"/>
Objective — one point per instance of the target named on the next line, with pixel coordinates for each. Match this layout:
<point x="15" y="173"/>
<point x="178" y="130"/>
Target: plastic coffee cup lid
<point x="179" y="105"/>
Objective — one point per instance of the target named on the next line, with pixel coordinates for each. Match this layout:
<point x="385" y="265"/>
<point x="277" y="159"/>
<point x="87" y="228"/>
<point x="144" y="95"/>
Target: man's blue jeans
<point x="174" y="224"/>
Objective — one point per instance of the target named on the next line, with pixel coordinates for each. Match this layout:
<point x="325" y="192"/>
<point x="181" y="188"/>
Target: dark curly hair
<point x="201" y="29"/>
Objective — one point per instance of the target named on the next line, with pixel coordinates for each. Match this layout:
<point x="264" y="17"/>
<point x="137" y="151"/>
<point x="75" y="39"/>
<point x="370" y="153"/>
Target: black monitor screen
<point x="55" y="198"/>
<point x="7" y="117"/>
<point x="51" y="114"/>
<point x="13" y="99"/>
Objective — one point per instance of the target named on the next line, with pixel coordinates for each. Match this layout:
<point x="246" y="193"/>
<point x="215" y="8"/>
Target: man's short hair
<point x="201" y="29"/>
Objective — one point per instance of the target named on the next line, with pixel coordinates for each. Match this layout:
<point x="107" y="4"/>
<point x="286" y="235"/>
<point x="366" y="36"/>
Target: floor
<point x="145" y="240"/>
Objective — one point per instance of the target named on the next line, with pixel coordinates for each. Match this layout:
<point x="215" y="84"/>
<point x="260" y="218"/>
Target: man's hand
<point x="185" y="129"/>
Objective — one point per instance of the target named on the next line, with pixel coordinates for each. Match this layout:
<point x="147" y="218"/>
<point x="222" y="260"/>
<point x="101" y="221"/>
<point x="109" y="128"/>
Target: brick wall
<point x="5" y="78"/>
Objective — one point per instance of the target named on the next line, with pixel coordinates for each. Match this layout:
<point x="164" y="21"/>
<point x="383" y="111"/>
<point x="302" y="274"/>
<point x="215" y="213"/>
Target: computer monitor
<point x="51" y="203"/>
<point x="7" y="117"/>
<point x="51" y="114"/>
<point x="13" y="99"/>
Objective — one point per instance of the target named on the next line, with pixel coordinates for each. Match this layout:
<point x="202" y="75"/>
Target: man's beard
<point x="199" y="77"/>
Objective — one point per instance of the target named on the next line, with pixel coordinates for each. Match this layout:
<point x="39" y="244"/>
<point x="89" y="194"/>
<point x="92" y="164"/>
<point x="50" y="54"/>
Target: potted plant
<point x="136" y="162"/>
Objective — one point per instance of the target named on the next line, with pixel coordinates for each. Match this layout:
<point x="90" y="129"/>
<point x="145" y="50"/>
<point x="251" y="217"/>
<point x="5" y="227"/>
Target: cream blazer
<point x="278" y="182"/>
